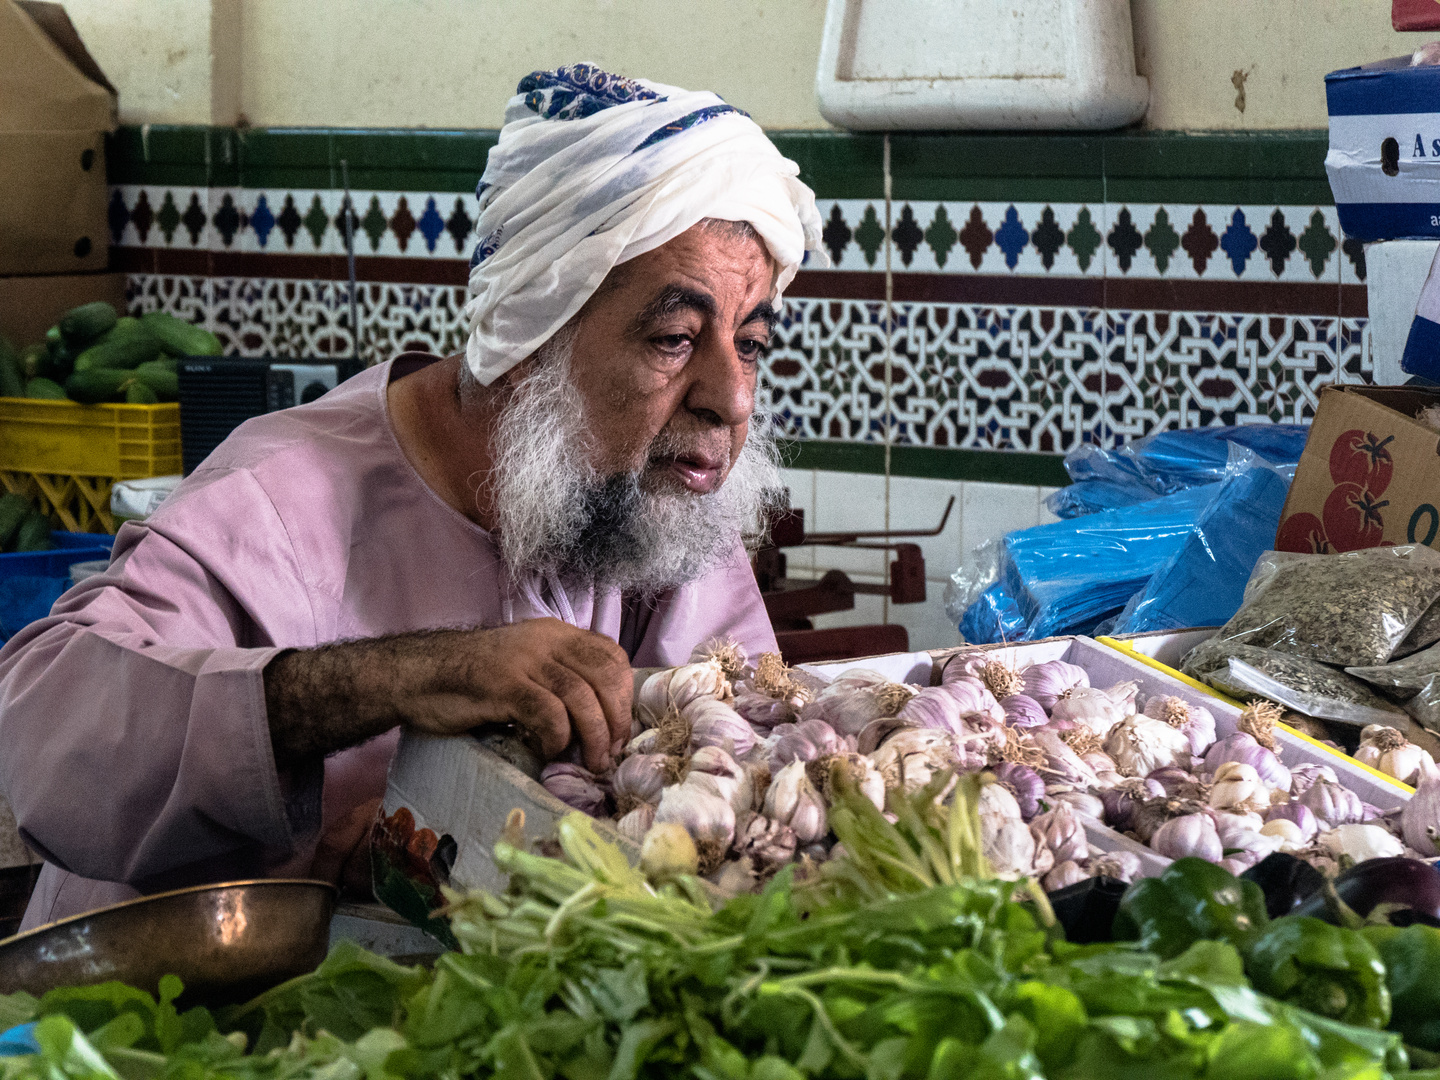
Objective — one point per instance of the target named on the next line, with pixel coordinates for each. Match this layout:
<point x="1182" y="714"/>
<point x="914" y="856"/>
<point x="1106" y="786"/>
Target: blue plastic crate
<point x="31" y="581"/>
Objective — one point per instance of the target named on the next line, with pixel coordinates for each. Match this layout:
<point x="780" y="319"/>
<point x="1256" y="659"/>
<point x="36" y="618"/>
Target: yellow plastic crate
<point x="73" y="503"/>
<point x="64" y="438"/>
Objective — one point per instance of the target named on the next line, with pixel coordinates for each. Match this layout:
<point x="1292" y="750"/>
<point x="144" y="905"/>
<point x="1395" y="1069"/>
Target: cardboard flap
<point x="48" y="81"/>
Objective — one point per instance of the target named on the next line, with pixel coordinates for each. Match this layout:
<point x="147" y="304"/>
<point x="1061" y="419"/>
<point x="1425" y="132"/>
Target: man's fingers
<point x="606" y="668"/>
<point x="587" y="718"/>
<point x="544" y="715"/>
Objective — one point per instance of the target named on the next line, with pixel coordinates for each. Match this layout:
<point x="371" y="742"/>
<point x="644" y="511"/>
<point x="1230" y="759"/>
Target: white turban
<point x="593" y="169"/>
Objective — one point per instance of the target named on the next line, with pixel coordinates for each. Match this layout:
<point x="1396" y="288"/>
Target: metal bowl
<point x="227" y="942"/>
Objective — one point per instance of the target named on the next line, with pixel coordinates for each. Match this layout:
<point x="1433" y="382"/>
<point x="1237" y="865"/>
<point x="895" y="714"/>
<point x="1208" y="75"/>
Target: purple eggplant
<point x="1405" y="883"/>
<point x="1285" y="880"/>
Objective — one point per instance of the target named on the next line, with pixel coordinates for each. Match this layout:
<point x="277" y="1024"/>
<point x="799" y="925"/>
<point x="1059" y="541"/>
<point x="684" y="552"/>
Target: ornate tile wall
<point x="1025" y="324"/>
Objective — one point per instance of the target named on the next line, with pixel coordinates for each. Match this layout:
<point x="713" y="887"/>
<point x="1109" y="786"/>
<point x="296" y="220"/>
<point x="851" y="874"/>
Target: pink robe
<point x="134" y="746"/>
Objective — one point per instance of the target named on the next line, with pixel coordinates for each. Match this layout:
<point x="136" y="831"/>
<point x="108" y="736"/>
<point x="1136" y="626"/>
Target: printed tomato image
<point x="1303" y="533"/>
<point x="1352" y="518"/>
<point x="1361" y="457"/>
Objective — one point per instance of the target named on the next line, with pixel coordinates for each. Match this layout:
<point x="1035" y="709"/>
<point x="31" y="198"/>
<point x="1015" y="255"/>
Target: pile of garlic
<point x="742" y="757"/>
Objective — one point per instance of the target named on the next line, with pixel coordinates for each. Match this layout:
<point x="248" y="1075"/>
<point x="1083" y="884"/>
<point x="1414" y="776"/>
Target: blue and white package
<point x="1422" y="347"/>
<point x="1384" y="156"/>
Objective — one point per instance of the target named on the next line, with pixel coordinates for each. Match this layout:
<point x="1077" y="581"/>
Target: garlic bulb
<point x="668" y="851"/>
<point x="575" y="786"/>
<point x="1121" y="865"/>
<point x="1082" y="802"/>
<point x="1122" y="800"/>
<point x="1287" y="832"/>
<point x="678" y="687"/>
<point x="1191" y="834"/>
<point x="1022" y="711"/>
<point x="760" y="710"/>
<point x="1196" y="722"/>
<point x="858" y="770"/>
<point x="1024" y="783"/>
<point x="637" y="822"/>
<point x="1062" y="831"/>
<point x="995" y="807"/>
<point x="1238" y="787"/>
<point x="1386" y="749"/>
<point x="1046" y="682"/>
<point x="809" y="740"/>
<point x="713" y="723"/>
<point x="1012" y="850"/>
<point x="1420" y="820"/>
<point x="1333" y="804"/>
<point x="1302" y="776"/>
<point x="792" y="800"/>
<point x="647" y="742"/>
<point x="1099" y="710"/>
<point x="704" y="813"/>
<point x="1000" y="677"/>
<point x="936" y="708"/>
<point x="726" y="652"/>
<point x="1177" y="782"/>
<point x="640" y="778"/>
<point x="910" y="757"/>
<point x="1139" y="745"/>
<point x="1065" y="874"/>
<point x="1361" y="842"/>
<point x="1299" y="815"/>
<point x="1241" y="746"/>
<point x="735" y="782"/>
<point x="1062" y="763"/>
<point x="768" y="842"/>
<point x="855" y="698"/>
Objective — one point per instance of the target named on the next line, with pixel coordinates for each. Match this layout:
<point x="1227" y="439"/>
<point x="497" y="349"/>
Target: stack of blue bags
<point x="1159" y="534"/>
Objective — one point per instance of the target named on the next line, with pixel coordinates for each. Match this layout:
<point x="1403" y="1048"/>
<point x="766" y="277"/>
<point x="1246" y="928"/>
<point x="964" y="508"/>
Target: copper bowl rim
<point x="189" y="890"/>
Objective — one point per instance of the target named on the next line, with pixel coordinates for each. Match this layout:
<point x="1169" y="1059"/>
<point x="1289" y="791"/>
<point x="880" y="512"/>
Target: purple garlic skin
<point x="809" y="740"/>
<point x="1024" y="783"/>
<point x="1174" y="781"/>
<point x="1304" y="775"/>
<point x="1064" y="874"/>
<point x="1046" y="682"/>
<point x="1334" y="804"/>
<point x="1190" y="834"/>
<point x="575" y="786"/>
<point x="641" y="778"/>
<point x="761" y="710"/>
<point x="713" y="723"/>
<point x="1241" y="747"/>
<point x="1298" y="814"/>
<point x="1062" y="831"/>
<point x="1023" y="711"/>
<point x="1122" y="800"/>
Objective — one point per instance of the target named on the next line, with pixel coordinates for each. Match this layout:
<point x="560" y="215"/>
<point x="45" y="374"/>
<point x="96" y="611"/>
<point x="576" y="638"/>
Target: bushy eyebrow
<point x="673" y="298"/>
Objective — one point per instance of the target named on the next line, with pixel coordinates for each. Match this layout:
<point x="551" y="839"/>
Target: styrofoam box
<point x="1106" y="667"/>
<point x="457" y="787"/>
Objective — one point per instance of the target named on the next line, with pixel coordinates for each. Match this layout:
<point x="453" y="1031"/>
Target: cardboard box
<point x="31" y="305"/>
<point x="1384" y="156"/>
<point x="55" y="108"/>
<point x="1369" y="476"/>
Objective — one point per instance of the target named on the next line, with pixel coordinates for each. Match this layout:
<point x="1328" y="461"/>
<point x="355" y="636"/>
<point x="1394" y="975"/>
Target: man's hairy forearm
<point x="322" y="700"/>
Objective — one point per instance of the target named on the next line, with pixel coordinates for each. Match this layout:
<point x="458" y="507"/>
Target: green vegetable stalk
<point x="1327" y="969"/>
<point x="1193" y="900"/>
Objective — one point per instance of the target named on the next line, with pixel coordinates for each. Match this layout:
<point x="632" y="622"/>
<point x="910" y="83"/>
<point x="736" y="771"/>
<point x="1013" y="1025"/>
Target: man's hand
<point x="556" y="681"/>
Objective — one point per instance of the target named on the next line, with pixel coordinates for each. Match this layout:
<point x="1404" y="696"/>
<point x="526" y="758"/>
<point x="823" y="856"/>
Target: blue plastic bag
<point x="993" y="617"/>
<point x="1204" y="582"/>
<point x="1166" y="462"/>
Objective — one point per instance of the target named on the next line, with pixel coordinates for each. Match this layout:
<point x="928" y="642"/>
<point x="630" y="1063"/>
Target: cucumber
<point x="10" y="382"/>
<point x="126" y="350"/>
<point x="34" y="358"/>
<point x="13" y="509"/>
<point x="34" y="533"/>
<point x="45" y="390"/>
<point x="52" y="336"/>
<point x="87" y="322"/>
<point x="94" y="385"/>
<point x="160" y="377"/>
<point x="60" y="360"/>
<point x="137" y="393"/>
<point x="179" y="337"/>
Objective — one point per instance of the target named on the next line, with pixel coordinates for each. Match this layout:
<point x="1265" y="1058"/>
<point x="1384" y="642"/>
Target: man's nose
<point x="723" y="390"/>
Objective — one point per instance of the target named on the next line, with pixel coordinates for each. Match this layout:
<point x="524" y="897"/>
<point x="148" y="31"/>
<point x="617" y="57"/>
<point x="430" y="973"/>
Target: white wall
<point x="453" y="63"/>
<point x="835" y="501"/>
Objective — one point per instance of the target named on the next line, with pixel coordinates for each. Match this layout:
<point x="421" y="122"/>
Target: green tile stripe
<point x="933" y="463"/>
<point x="1283" y="168"/>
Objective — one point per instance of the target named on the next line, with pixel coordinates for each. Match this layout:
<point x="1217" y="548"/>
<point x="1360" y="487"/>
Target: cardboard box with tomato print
<point x="1369" y="476"/>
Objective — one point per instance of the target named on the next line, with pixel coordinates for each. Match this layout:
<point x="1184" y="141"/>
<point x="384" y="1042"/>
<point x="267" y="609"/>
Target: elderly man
<point x="440" y="543"/>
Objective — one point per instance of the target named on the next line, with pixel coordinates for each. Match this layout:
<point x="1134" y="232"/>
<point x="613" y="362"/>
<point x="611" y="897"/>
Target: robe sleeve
<point x="133" y="732"/>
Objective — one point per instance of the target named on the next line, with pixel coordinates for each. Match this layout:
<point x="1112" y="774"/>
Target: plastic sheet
<point x="993" y="617"/>
<point x="1166" y="462"/>
<point x="1204" y="582"/>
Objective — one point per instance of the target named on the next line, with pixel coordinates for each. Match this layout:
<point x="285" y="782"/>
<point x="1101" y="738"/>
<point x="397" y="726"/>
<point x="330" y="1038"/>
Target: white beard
<point x="556" y="514"/>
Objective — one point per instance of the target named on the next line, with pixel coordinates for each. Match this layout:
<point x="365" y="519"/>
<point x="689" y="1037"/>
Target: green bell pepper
<point x="1412" y="973"/>
<point x="1327" y="969"/>
<point x="1193" y="900"/>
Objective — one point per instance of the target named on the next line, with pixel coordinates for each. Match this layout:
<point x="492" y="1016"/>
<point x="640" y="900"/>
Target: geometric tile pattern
<point x="968" y="376"/>
<point x="1181" y="242"/>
